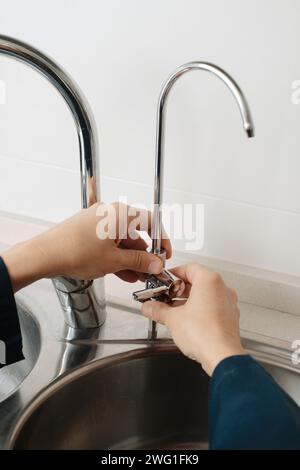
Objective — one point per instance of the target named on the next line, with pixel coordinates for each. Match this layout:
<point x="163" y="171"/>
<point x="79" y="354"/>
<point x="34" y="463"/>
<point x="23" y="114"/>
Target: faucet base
<point x="83" y="302"/>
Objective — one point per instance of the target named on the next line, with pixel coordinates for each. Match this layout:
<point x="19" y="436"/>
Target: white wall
<point x="120" y="52"/>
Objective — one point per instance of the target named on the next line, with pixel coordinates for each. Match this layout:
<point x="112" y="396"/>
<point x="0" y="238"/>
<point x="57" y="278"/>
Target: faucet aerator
<point x="250" y="133"/>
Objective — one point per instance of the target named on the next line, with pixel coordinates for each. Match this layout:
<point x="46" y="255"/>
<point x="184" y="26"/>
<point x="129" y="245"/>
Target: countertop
<point x="269" y="302"/>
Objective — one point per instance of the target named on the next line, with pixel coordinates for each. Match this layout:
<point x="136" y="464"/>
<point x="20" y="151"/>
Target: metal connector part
<point x="163" y="287"/>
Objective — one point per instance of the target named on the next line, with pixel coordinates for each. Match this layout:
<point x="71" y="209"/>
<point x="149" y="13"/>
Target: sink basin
<point x="132" y="401"/>
<point x="13" y="375"/>
<point x="144" y="399"/>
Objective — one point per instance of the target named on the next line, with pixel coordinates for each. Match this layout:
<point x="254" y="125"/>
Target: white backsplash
<point x="120" y="53"/>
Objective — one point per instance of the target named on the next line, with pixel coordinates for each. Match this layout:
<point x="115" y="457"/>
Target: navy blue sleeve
<point x="10" y="333"/>
<point x="248" y="410"/>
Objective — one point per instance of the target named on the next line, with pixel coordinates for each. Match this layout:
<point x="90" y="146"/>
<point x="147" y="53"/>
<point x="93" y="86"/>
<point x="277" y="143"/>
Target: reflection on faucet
<point x="83" y="302"/>
<point x="79" y="348"/>
<point x="160" y="140"/>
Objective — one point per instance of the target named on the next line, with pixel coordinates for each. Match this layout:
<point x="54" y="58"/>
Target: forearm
<point x="248" y="410"/>
<point x="30" y="261"/>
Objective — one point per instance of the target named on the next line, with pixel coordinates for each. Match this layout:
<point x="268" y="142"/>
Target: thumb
<point x="140" y="261"/>
<point x="157" y="311"/>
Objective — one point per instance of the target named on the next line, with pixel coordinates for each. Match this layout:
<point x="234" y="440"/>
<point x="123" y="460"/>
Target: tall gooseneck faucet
<point x="160" y="141"/>
<point x="83" y="302"/>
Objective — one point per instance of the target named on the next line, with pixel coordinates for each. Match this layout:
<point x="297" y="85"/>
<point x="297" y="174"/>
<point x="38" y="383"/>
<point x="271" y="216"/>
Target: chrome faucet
<point x="83" y="302"/>
<point x="159" y="290"/>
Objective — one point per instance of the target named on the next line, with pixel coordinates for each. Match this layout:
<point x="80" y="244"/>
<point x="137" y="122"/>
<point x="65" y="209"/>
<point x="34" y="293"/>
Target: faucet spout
<point x="160" y="142"/>
<point x="82" y="303"/>
<point x="160" y="132"/>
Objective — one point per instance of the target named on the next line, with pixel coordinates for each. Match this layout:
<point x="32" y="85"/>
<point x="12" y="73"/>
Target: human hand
<point x="96" y="241"/>
<point x="206" y="326"/>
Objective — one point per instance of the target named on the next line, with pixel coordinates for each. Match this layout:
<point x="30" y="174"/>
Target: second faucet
<point x="159" y="153"/>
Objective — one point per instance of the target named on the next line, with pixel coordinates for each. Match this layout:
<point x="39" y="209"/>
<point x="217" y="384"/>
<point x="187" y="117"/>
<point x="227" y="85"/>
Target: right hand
<point x="206" y="326"/>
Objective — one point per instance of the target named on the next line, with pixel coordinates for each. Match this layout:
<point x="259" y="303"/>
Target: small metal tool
<point x="163" y="287"/>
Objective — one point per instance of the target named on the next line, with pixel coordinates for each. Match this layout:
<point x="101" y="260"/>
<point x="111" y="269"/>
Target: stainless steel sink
<point x="13" y="375"/>
<point x="111" y="388"/>
<point x="145" y="399"/>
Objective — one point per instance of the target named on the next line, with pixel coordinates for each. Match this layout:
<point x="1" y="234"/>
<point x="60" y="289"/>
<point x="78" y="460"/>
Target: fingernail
<point x="155" y="267"/>
<point x="147" y="309"/>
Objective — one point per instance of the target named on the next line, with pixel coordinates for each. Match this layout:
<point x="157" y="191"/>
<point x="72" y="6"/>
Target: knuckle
<point x="194" y="268"/>
<point x="156" y="316"/>
<point x="234" y="295"/>
<point x="138" y="258"/>
<point x="215" y="279"/>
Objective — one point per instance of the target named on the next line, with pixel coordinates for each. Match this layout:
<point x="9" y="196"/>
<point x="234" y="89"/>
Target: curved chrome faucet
<point x="83" y="302"/>
<point x="160" y="141"/>
<point x="160" y="132"/>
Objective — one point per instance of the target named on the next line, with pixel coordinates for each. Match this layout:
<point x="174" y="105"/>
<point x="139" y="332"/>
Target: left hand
<point x="96" y="241"/>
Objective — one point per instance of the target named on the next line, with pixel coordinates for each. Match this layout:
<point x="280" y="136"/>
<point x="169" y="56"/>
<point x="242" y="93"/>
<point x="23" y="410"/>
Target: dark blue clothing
<point x="247" y="409"/>
<point x="10" y="333"/>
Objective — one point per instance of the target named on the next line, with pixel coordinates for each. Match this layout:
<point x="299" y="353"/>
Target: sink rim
<point x="35" y="337"/>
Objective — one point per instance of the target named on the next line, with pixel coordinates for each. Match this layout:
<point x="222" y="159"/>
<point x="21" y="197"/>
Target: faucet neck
<point x="160" y="132"/>
<point x="82" y="115"/>
<point x="83" y="304"/>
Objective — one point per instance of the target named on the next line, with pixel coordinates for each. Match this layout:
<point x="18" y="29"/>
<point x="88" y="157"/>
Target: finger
<point x="187" y="290"/>
<point x="139" y="261"/>
<point x="194" y="272"/>
<point x="142" y="277"/>
<point x="157" y="311"/>
<point x="134" y="241"/>
<point x="137" y="243"/>
<point x="144" y="222"/>
<point x="166" y="243"/>
<point x="126" y="219"/>
<point x="128" y="276"/>
<point x="232" y="295"/>
<point x="178" y="302"/>
<point x="186" y="272"/>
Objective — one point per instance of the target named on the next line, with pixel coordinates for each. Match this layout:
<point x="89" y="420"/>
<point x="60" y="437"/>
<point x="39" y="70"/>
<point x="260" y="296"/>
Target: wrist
<point x="29" y="262"/>
<point x="221" y="352"/>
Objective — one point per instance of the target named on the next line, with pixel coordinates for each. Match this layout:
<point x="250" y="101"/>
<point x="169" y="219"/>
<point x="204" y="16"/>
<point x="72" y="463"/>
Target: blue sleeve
<point x="10" y="333"/>
<point x="248" y="410"/>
